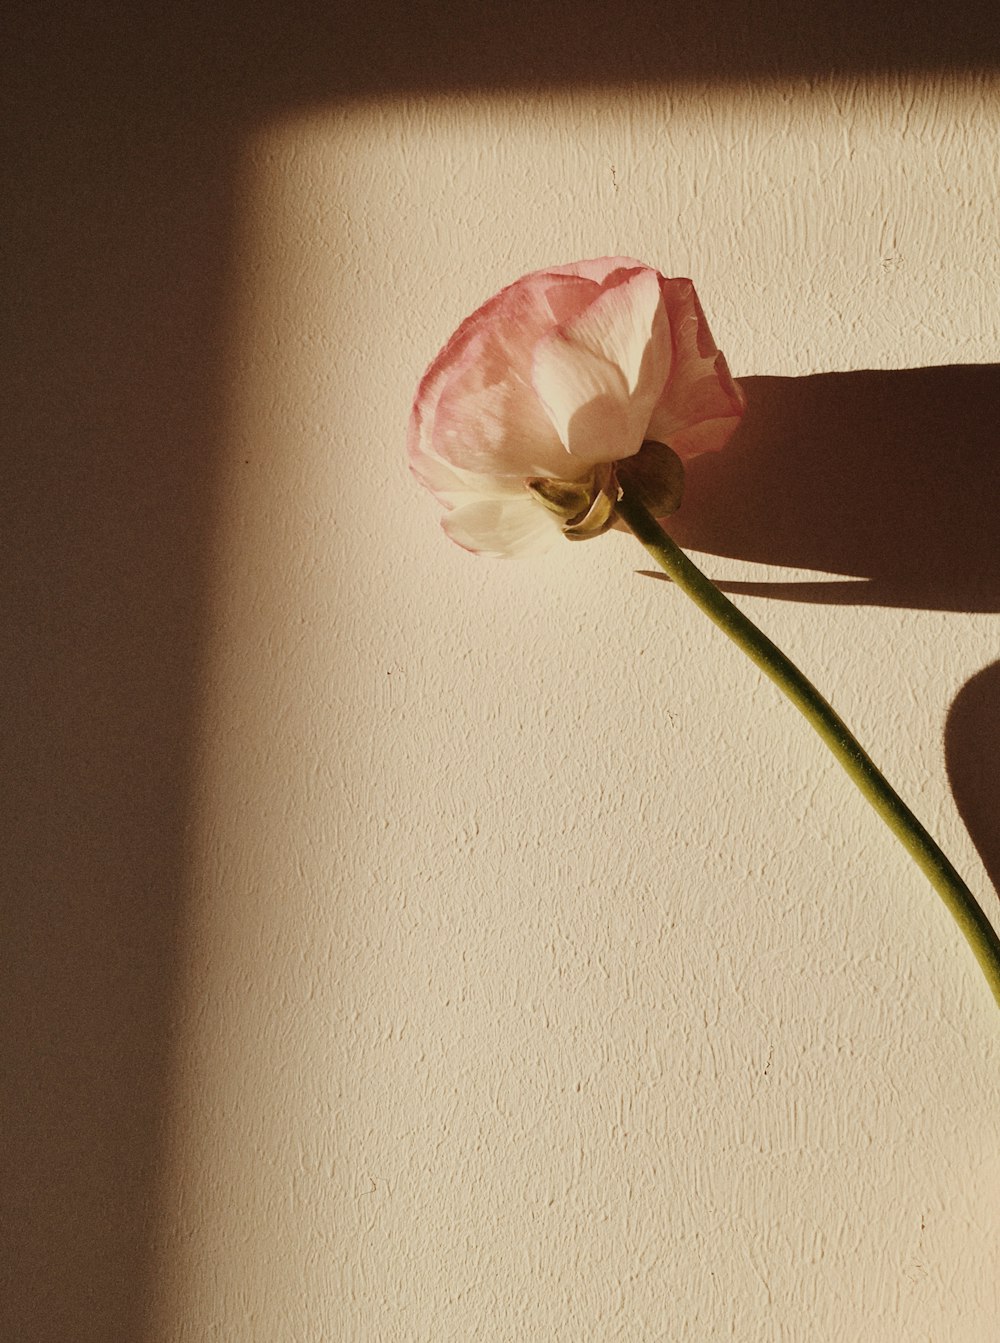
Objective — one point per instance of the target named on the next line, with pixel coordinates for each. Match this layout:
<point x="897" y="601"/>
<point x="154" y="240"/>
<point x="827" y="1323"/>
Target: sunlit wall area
<point x="544" y="978"/>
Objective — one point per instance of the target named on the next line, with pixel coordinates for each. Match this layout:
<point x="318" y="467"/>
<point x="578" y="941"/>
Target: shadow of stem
<point x="972" y="757"/>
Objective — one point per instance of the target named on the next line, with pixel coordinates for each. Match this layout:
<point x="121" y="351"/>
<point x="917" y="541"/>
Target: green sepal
<point x="566" y="498"/>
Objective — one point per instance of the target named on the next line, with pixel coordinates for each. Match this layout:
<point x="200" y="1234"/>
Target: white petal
<point x="620" y="325"/>
<point x="585" y="396"/>
<point x="600" y="375"/>
<point x="503" y="528"/>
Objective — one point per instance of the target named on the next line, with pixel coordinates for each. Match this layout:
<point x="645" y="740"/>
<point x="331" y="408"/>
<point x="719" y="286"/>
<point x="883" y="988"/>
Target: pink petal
<point x="599" y="268"/>
<point x="701" y="405"/>
<point x="475" y="406"/>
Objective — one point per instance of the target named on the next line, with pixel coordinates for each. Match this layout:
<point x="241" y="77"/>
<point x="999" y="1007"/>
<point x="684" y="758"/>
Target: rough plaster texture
<point x="544" y="978"/>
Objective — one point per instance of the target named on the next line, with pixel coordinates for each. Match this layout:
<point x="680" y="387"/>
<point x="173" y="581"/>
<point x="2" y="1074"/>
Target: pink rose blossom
<point x="519" y="422"/>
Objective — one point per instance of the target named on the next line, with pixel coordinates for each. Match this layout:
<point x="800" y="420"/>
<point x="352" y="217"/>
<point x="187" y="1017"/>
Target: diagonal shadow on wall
<point x="119" y="221"/>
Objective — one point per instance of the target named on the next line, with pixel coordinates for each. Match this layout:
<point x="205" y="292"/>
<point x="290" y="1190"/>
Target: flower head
<point x="521" y="424"/>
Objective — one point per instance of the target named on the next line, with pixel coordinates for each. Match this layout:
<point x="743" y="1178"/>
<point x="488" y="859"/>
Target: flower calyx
<point x="654" y="477"/>
<point x="585" y="509"/>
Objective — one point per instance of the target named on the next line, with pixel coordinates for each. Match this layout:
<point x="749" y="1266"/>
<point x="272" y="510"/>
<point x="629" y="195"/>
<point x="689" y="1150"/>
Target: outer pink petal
<point x="554" y="295"/>
<point x="475" y="406"/>
<point x="600" y="268"/>
<point x="701" y="405"/>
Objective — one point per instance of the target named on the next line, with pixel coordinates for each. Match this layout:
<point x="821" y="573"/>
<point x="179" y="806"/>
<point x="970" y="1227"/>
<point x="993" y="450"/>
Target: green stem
<point x="772" y="661"/>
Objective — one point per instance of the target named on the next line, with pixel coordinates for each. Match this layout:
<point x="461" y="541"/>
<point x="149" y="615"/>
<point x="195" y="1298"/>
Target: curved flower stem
<point x="901" y="821"/>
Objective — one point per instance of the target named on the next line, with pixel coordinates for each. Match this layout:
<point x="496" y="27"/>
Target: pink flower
<point x="519" y="423"/>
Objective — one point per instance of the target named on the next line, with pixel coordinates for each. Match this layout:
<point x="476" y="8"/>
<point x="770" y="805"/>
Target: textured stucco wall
<point x="544" y="979"/>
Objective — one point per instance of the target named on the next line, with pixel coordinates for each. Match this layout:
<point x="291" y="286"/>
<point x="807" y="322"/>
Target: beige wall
<point x="415" y="947"/>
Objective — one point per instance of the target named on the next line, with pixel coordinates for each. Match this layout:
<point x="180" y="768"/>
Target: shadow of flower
<point x="889" y="477"/>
